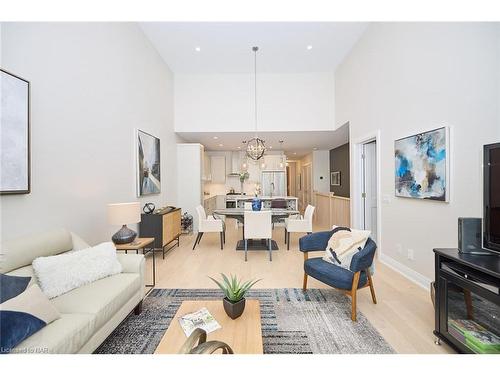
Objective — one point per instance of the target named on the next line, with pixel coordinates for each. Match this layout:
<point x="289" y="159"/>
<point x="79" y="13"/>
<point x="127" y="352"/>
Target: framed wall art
<point x="15" y="174"/>
<point x="421" y="165"/>
<point x="148" y="164"/>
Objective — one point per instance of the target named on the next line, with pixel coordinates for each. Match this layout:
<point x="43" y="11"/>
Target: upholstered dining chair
<point x="299" y="225"/>
<point x="209" y="225"/>
<point x="258" y="226"/>
<point x="279" y="203"/>
<point x="347" y="280"/>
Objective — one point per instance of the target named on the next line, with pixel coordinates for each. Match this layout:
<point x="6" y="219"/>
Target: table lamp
<point x="123" y="214"/>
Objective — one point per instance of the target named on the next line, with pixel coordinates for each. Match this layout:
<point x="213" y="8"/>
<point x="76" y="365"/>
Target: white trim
<point x="355" y="177"/>
<point x="405" y="271"/>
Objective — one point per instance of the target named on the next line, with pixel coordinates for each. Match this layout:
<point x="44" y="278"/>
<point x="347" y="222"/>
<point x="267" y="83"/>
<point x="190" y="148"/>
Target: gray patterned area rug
<point x="293" y="322"/>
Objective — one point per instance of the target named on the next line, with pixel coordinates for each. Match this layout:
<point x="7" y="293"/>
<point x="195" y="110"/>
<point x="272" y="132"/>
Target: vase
<point x="234" y="309"/>
<point x="256" y="204"/>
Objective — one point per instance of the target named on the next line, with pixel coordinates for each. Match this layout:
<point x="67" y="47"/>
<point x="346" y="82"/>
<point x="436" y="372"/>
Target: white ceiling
<point x="295" y="144"/>
<point x="225" y="47"/>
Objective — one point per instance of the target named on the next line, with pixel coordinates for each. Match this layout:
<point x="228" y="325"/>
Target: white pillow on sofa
<point x="61" y="273"/>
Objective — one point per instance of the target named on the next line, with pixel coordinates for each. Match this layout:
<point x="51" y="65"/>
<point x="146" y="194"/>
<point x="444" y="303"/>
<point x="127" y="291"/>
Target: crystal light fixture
<point x="255" y="146"/>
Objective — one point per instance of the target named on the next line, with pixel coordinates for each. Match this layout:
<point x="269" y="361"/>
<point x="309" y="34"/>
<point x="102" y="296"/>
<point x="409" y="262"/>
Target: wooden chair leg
<point x="354" y="289"/>
<point x="372" y="288"/>
<point x="304" y="284"/>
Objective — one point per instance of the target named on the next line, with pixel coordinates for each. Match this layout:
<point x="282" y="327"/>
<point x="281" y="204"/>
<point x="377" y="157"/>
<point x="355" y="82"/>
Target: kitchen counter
<point x="292" y="202"/>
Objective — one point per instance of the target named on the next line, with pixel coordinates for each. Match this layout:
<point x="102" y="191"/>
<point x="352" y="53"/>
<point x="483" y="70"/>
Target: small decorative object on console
<point x="148" y="208"/>
<point x="234" y="291"/>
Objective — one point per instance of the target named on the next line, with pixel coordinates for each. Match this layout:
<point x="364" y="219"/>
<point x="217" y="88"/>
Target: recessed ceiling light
<point x="197" y="49"/>
<point x="239" y="147"/>
<point x="220" y="145"/>
<point x="215" y="137"/>
<point x="309" y="47"/>
<point x="270" y="146"/>
<point x="315" y="148"/>
<point x="295" y="153"/>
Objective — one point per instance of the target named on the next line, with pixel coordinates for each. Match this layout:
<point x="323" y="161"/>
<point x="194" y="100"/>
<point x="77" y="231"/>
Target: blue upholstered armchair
<point x="349" y="281"/>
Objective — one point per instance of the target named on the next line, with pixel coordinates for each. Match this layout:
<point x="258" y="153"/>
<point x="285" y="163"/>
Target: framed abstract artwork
<point x="148" y="164"/>
<point x="422" y="165"/>
<point x="15" y="175"/>
<point x="335" y="178"/>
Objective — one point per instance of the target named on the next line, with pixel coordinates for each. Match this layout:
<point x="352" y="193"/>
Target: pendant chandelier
<point x="255" y="146"/>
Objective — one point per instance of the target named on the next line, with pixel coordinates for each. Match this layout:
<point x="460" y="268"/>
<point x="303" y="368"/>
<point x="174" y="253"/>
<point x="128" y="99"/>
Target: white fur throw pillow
<point x="61" y="273"/>
<point x="343" y="244"/>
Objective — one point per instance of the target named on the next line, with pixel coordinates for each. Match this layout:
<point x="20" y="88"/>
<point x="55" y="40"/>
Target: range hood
<point x="235" y="164"/>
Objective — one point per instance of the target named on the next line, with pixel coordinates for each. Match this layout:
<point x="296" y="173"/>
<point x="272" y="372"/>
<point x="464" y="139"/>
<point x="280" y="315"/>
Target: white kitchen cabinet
<point x="218" y="169"/>
<point x="207" y="170"/>
<point x="273" y="162"/>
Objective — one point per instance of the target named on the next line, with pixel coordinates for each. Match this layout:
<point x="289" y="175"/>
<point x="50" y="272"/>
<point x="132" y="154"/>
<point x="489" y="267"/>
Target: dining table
<point x="239" y="215"/>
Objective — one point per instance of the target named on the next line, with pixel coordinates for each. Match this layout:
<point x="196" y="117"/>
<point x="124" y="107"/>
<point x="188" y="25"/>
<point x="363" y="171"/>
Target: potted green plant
<point x="234" y="292"/>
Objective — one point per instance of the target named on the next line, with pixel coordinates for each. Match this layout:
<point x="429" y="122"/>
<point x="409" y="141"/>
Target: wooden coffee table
<point x="243" y="335"/>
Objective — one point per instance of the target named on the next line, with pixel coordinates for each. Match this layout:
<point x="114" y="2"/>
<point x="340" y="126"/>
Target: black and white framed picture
<point x="14" y="134"/>
<point x="148" y="164"/>
<point x="335" y="178"/>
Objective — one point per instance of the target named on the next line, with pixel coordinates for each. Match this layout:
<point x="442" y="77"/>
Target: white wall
<point x="404" y="78"/>
<point x="92" y="84"/>
<point x="225" y="102"/>
<point x="321" y="171"/>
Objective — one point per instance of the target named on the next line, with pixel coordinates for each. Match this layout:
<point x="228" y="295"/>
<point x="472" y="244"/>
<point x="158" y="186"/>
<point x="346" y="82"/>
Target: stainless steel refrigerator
<point x="273" y="183"/>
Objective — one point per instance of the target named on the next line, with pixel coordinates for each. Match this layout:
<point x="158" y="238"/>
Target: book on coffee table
<point x="198" y="319"/>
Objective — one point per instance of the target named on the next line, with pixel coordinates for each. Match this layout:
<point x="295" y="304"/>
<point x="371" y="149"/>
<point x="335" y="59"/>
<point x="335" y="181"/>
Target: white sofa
<point x="89" y="313"/>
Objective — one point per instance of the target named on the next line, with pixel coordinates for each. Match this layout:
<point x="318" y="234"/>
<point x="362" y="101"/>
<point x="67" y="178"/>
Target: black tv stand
<point x="467" y="292"/>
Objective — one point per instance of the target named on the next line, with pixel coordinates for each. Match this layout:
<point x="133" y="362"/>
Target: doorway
<point x="369" y="187"/>
<point x="365" y="186"/>
<point x="306" y="185"/>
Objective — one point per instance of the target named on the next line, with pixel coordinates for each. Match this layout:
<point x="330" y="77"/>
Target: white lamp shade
<point x="124" y="213"/>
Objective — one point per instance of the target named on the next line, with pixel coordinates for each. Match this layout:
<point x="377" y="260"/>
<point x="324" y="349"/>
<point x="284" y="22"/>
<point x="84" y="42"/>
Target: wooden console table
<point x="164" y="226"/>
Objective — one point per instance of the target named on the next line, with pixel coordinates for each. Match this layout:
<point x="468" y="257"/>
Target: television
<point x="491" y="197"/>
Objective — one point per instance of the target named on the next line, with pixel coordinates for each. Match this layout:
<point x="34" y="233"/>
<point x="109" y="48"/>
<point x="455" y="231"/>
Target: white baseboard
<point x="407" y="272"/>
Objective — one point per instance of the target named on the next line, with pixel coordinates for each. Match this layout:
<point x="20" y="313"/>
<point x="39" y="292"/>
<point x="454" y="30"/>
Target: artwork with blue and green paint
<point x="421" y="170"/>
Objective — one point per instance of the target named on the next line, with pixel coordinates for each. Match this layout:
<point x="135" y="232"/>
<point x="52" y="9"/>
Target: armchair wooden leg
<point x="354" y="289"/>
<point x="372" y="288"/>
<point x="304" y="284"/>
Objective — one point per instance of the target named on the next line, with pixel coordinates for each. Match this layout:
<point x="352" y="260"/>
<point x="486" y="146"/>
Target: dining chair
<point x="209" y="225"/>
<point x="279" y="203"/>
<point x="258" y="226"/>
<point x="299" y="225"/>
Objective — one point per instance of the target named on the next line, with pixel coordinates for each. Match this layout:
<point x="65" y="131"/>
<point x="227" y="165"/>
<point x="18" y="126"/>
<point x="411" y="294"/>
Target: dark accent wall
<point x="339" y="161"/>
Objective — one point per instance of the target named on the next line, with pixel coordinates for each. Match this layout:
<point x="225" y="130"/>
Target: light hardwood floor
<point x="404" y="315"/>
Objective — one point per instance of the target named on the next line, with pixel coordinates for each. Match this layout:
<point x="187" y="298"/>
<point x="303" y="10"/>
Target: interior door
<point x="369" y="194"/>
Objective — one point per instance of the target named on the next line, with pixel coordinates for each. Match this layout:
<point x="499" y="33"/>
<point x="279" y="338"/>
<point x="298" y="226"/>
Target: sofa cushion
<point x="103" y="297"/>
<point x="23" y="315"/>
<point x="331" y="274"/>
<point x="21" y="252"/>
<point x="11" y="286"/>
<point x="65" y="335"/>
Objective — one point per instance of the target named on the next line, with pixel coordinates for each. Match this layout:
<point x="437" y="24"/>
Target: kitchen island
<point x="291" y="202"/>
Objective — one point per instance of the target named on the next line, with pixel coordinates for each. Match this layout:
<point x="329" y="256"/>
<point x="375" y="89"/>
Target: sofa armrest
<point x="133" y="263"/>
<point x="315" y="241"/>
